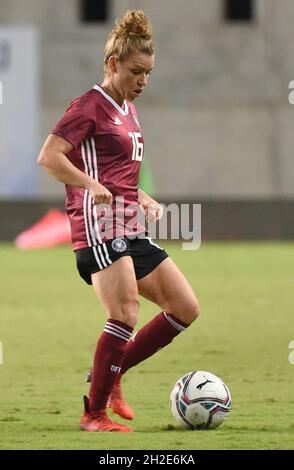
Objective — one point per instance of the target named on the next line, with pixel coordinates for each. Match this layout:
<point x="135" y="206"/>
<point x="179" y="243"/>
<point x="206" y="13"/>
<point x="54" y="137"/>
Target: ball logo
<point x="119" y="245"/>
<point x="200" y="400"/>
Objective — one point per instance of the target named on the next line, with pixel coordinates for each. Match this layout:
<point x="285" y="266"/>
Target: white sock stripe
<point x="119" y="329"/>
<point x="176" y="325"/>
<point x="119" y="332"/>
<point x="114" y="328"/>
<point x="124" y="330"/>
<point x="116" y="334"/>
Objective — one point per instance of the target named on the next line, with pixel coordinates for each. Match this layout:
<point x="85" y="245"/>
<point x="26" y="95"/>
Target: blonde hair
<point x="132" y="33"/>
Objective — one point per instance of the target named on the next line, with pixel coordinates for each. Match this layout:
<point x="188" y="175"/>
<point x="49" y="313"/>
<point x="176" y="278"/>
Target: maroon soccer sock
<point x="108" y="359"/>
<point x="157" y="334"/>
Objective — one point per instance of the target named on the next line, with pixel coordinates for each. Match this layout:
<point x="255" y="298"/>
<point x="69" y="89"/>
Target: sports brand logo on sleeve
<point x="117" y="121"/>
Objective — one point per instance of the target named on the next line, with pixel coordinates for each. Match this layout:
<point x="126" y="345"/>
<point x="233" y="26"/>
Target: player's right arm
<point x="53" y="158"/>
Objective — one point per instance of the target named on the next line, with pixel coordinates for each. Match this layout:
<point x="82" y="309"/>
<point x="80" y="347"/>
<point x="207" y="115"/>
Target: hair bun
<point x="132" y="33"/>
<point x="134" y="24"/>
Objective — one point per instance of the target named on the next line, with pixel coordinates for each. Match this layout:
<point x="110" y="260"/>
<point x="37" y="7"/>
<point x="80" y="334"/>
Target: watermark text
<point x="175" y="222"/>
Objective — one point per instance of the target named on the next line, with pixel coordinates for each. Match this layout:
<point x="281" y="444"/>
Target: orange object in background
<point x="51" y="230"/>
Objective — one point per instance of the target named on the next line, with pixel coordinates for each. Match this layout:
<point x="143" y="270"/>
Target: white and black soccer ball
<point x="200" y="400"/>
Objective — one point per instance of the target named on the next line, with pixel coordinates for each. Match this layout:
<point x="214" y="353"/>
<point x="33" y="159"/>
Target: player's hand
<point x="153" y="210"/>
<point x="100" y="194"/>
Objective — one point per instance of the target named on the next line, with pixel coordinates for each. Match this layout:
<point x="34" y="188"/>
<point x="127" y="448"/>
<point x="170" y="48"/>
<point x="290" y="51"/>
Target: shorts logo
<point x="119" y="245"/>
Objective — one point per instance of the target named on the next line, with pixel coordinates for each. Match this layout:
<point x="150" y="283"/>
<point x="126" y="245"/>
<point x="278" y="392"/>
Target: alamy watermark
<point x="175" y="222"/>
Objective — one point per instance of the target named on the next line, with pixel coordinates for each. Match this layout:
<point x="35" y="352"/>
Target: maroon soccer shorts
<point x="145" y="253"/>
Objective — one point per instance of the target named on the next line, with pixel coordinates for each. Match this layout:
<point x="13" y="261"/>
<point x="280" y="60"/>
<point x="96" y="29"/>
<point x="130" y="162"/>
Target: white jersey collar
<point x="123" y="112"/>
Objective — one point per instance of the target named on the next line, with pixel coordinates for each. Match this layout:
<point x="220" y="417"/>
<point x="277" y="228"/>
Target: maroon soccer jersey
<point x="108" y="146"/>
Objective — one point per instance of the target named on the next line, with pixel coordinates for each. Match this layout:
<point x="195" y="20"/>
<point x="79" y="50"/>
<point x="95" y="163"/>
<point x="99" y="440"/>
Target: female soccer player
<point x="96" y="149"/>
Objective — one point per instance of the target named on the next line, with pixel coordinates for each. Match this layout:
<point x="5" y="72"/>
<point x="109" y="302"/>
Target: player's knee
<point x="130" y="310"/>
<point x="188" y="312"/>
<point x="194" y="310"/>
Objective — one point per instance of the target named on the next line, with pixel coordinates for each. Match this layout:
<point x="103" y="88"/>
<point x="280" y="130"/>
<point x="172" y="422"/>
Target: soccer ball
<point x="200" y="400"/>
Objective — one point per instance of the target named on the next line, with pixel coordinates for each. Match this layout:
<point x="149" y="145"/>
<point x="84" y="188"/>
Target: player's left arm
<point x="153" y="210"/>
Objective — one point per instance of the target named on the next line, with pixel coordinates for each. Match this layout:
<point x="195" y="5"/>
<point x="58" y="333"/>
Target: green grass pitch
<point x="50" y="321"/>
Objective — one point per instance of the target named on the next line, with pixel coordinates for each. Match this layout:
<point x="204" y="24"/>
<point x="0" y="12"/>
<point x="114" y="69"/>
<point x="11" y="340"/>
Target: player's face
<point x="132" y="74"/>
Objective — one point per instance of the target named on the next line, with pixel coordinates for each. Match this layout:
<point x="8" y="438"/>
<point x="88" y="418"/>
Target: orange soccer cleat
<point x="51" y="230"/>
<point x="98" y="421"/>
<point x="117" y="403"/>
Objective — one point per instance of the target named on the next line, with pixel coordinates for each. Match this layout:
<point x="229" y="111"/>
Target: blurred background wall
<point x="216" y="118"/>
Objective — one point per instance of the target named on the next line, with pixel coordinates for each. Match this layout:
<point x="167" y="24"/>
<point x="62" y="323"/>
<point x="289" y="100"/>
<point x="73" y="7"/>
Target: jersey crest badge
<point x="119" y="245"/>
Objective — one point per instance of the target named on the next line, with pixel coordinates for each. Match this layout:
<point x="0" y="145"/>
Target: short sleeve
<point x="78" y="122"/>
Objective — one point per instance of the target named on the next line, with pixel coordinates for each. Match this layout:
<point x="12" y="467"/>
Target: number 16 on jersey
<point x="138" y="147"/>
